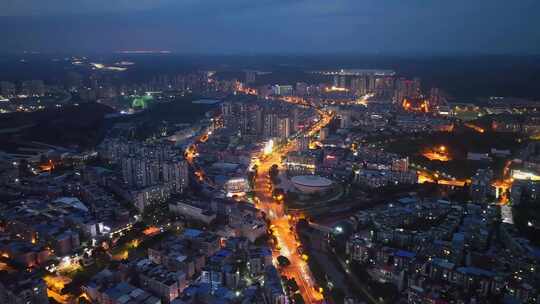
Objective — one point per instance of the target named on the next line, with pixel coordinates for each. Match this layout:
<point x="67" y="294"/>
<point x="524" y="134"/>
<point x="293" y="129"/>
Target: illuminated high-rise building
<point x="323" y="134"/>
<point x="270" y="127"/>
<point x="436" y="99"/>
<point x="176" y="173"/>
<point x="253" y="115"/>
<point x="227" y="112"/>
<point x="359" y="85"/>
<point x="302" y="144"/>
<point x="234" y="116"/>
<point x="371" y="83"/>
<point x="284" y="127"/>
<point x="134" y="171"/>
<point x="295" y="120"/>
<point x="282" y="90"/>
<point x="406" y="88"/>
<point x="301" y="88"/>
<point x="139" y="172"/>
<point x="342" y="81"/>
<point x="251" y="76"/>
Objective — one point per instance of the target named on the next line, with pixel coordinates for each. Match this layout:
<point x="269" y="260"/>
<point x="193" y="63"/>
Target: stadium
<point x="310" y="184"/>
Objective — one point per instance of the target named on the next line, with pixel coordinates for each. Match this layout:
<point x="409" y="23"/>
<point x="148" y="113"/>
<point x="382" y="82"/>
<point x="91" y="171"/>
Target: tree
<point x="297" y="298"/>
<point x="278" y="194"/>
<point x="293" y="286"/>
<point x="274" y="171"/>
<point x="302" y="224"/>
<point x="283" y="261"/>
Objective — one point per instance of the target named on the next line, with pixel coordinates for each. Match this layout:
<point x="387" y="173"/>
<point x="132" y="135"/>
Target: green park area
<point x="140" y="102"/>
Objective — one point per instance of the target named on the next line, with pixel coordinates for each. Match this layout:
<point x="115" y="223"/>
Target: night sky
<point x="277" y="26"/>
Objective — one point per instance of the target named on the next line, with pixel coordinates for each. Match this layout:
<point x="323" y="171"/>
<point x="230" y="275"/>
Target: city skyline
<point x="269" y="152"/>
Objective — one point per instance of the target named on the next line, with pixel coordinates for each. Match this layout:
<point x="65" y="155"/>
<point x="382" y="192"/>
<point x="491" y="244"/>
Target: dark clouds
<point x="255" y="26"/>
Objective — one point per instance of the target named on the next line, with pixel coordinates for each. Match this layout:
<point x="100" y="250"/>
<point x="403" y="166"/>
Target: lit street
<point x="287" y="243"/>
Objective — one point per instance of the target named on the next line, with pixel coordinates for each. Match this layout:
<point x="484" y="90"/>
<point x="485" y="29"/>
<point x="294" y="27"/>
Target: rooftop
<point x="311" y="181"/>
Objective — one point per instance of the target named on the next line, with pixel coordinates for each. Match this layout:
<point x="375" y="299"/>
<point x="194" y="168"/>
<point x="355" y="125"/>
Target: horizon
<point x="156" y="52"/>
<point x="270" y="27"/>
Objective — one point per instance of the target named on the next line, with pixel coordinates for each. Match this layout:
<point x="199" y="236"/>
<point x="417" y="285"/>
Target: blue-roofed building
<point x="192" y="233"/>
<point x="475" y="271"/>
<point x="405" y="254"/>
<point x="407" y="200"/>
<point x="441" y="269"/>
<point x="402" y="258"/>
<point x="220" y="258"/>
